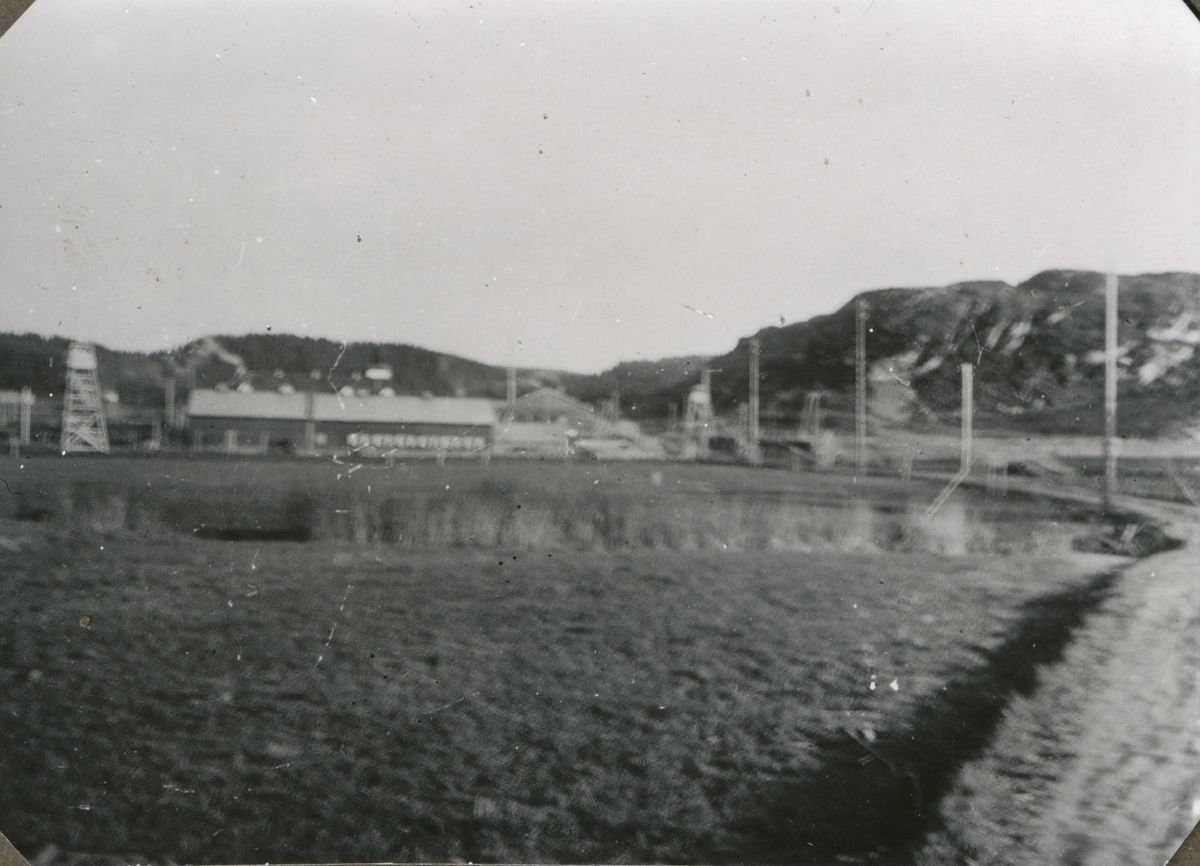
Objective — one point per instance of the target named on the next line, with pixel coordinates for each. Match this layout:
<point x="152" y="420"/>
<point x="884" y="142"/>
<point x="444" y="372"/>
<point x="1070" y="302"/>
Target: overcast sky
<point x="569" y="184"/>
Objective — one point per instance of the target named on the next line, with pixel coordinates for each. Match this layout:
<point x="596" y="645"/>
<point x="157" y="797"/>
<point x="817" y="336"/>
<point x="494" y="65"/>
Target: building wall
<point x="212" y="434"/>
<point x="249" y="434"/>
<point x="405" y="437"/>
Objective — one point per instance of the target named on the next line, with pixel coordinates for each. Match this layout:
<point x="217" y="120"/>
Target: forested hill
<point x="265" y="361"/>
<point x="634" y="381"/>
<point x="29" y="360"/>
<point x="268" y="361"/>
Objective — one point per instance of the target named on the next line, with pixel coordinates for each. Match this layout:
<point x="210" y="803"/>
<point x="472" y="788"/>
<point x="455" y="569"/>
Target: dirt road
<point x="1101" y="764"/>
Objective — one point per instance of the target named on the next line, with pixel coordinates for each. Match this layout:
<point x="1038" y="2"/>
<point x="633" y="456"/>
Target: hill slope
<point x="1037" y="347"/>
<point x="265" y="361"/>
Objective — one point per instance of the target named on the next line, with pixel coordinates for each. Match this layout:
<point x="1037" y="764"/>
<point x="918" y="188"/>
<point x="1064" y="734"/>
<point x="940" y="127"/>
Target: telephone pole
<point x="860" y="386"/>
<point x="698" y="423"/>
<point x="752" y="451"/>
<point x="968" y="410"/>
<point x="1110" y="389"/>
<point x="26" y="412"/>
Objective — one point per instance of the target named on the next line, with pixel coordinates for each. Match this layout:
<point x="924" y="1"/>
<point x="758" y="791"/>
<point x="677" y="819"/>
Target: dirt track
<point x="1101" y="764"/>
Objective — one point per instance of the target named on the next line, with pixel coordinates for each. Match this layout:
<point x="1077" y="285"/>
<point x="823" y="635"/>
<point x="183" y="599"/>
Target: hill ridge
<point x="1035" y="346"/>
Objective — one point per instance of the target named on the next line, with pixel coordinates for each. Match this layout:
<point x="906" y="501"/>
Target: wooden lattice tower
<point x="83" y="425"/>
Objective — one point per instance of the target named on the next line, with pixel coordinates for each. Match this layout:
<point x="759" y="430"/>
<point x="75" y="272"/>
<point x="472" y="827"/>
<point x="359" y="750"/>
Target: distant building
<point x="260" y="421"/>
<point x="548" y="406"/>
<point x="545" y="422"/>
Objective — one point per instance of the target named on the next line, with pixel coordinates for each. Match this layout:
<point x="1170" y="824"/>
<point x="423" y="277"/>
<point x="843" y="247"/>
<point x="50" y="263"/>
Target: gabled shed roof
<point x="547" y="398"/>
<point x="401" y="410"/>
<point x="208" y="403"/>
<point x="334" y="407"/>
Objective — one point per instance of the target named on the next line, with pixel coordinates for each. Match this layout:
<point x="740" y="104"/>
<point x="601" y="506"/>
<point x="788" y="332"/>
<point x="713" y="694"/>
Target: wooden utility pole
<point x="968" y="411"/>
<point x="860" y="386"/>
<point x="698" y="423"/>
<point x="26" y="413"/>
<point x="753" y="451"/>
<point x="1110" y="389"/>
<point x="169" y="401"/>
<point x="968" y="401"/>
<point x="812" y="414"/>
<point x="512" y="387"/>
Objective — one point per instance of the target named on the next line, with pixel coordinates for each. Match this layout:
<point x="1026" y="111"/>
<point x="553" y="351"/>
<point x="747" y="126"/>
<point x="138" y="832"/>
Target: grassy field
<point x="726" y="665"/>
<point x="1154" y="478"/>
<point x="521" y="505"/>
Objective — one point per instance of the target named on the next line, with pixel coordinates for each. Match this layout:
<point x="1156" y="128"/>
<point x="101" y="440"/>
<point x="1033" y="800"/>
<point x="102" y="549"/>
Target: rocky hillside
<point x="1037" y="347"/>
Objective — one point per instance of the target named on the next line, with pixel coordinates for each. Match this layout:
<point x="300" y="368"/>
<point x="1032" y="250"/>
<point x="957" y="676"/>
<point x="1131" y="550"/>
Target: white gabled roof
<point x="404" y="410"/>
<point x="554" y="396"/>
<point x="207" y="403"/>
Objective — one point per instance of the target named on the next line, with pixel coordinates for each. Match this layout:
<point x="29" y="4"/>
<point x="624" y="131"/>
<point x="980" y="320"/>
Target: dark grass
<point x="342" y="701"/>
<point x="1172" y="480"/>
<point x="569" y="707"/>
<point x="520" y="506"/>
<point x="897" y="778"/>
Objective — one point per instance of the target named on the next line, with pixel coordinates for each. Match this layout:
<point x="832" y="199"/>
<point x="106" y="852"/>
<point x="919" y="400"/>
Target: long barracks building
<point x="260" y="421"/>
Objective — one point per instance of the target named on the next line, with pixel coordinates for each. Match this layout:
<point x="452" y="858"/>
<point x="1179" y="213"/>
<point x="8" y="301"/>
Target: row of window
<point x="404" y="440"/>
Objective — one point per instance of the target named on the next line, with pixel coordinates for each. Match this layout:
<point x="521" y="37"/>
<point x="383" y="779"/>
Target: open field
<point x="668" y="663"/>
<point x="521" y="505"/>
<point x="1169" y="479"/>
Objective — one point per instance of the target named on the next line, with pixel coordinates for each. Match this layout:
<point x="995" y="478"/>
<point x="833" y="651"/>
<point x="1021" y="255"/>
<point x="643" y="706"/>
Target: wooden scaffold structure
<point x="83" y="425"/>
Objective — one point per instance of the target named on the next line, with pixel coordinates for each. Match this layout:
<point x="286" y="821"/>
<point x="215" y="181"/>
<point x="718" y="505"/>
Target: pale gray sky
<point x="565" y="184"/>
